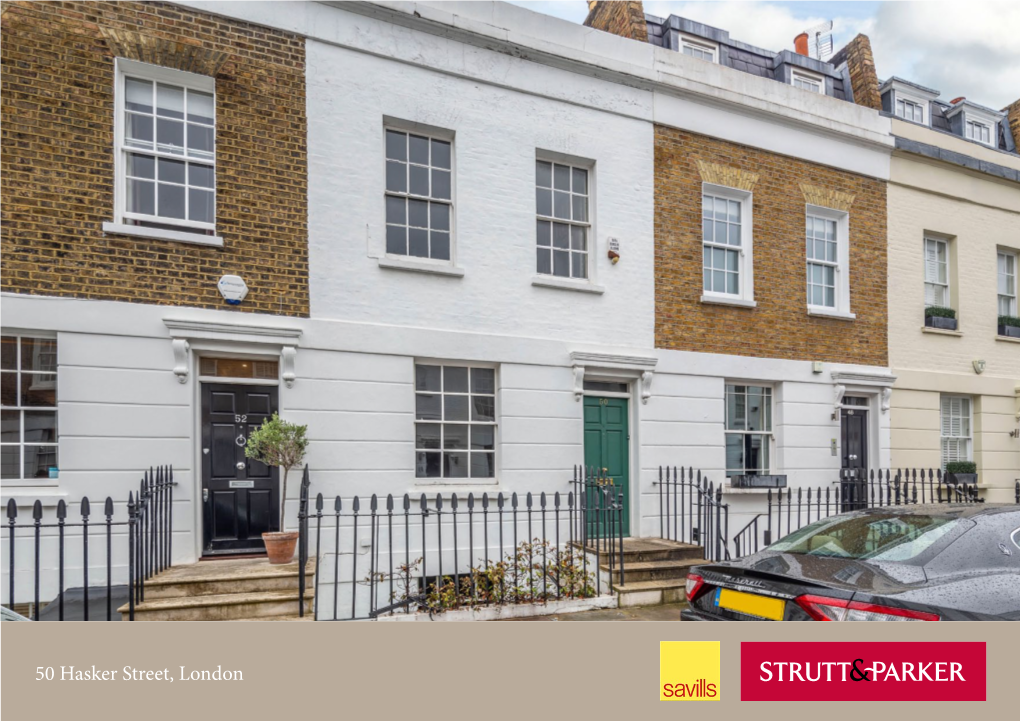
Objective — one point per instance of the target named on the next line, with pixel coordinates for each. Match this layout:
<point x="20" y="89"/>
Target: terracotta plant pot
<point x="280" y="546"/>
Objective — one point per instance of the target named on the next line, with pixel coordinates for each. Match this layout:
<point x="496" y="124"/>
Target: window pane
<point x="483" y="408"/>
<point x="418" y="149"/>
<point x="428" y="465"/>
<point x="138" y="95"/>
<point x="544" y="261"/>
<point x="561" y="205"/>
<point x="441" y="184"/>
<point x="141" y="166"/>
<point x="732" y="259"/>
<point x="483" y="438"/>
<point x="38" y="354"/>
<point x="9" y="352"/>
<point x="439" y="249"/>
<point x="40" y="426"/>
<point x="441" y="154"/>
<point x="170" y="136"/>
<point x="139" y="130"/>
<point x="544" y="232"/>
<point x="440" y="216"/>
<point x="428" y="378"/>
<point x="10" y="463"/>
<point x="171" y="201"/>
<point x="419" y="180"/>
<point x="200" y="107"/>
<point x="39" y="389"/>
<point x="39" y="460"/>
<point x="580" y="203"/>
<point x="427" y="435"/>
<point x="172" y="171"/>
<point x="734" y="453"/>
<point x="577" y="238"/>
<point x="731" y="284"/>
<point x="201" y="175"/>
<point x="561" y="177"/>
<point x="455" y="379"/>
<point x="455" y="465"/>
<point x="396" y="239"/>
<point x="418" y="213"/>
<point x="200" y="205"/>
<point x="10" y="426"/>
<point x="455" y="437"/>
<point x="9" y="386"/>
<point x="580" y="181"/>
<point x="735" y="235"/>
<point x="561" y="235"/>
<point x="427" y="407"/>
<point x="396" y="210"/>
<point x="200" y="140"/>
<point x="418" y="243"/>
<point x="396" y="177"/>
<point x="561" y="263"/>
<point x="170" y="101"/>
<point x="707" y="227"/>
<point x="396" y="145"/>
<point x="543" y="201"/>
<point x="543" y="174"/>
<point x="455" y="408"/>
<point x="483" y="465"/>
<point x="483" y="380"/>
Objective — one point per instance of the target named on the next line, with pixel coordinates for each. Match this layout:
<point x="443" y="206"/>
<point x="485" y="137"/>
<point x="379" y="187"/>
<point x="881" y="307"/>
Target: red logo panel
<point x="867" y="671"/>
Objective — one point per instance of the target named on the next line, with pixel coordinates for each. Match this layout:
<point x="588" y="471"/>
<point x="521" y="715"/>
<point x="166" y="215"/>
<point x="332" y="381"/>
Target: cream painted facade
<point x="979" y="215"/>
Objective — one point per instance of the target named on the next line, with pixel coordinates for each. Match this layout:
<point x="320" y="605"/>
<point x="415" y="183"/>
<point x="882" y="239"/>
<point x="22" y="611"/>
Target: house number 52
<point x="240" y="419"/>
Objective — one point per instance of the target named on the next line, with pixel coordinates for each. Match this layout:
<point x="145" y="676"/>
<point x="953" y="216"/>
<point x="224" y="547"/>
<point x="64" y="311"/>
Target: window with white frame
<point x="726" y="242"/>
<point x="748" y="430"/>
<point x="564" y="225"/>
<point x="419" y="195"/>
<point x="1007" y="262"/>
<point x="827" y="257"/>
<point x="936" y="272"/>
<point x="804" y="81"/>
<point x="979" y="132"/>
<point x="909" y="110"/>
<point x="698" y="49"/>
<point x="28" y="367"/>
<point x="166" y="148"/>
<point x="455" y="421"/>
<point x="956" y="415"/>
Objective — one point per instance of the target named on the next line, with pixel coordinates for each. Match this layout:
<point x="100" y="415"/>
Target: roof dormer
<point x="975" y="122"/>
<point x="908" y="101"/>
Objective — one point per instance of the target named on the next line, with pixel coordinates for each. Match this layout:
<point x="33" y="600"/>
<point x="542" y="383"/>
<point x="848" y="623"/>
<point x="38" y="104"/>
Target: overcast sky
<point x="967" y="48"/>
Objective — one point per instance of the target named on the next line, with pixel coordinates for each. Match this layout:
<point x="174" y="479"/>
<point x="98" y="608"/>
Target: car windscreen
<point x="897" y="538"/>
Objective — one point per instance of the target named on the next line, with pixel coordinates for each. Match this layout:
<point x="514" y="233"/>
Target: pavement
<point x="664" y="612"/>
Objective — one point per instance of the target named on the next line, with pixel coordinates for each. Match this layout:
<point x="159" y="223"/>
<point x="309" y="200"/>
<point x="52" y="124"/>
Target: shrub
<point x="938" y="311"/>
<point x="278" y="443"/>
<point x="1010" y="320"/>
<point x="961" y="467"/>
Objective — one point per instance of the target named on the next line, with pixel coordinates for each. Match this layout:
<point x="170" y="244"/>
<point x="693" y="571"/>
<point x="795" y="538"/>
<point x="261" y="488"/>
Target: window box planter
<point x="1009" y="331"/>
<point x="962" y="479"/>
<point x="931" y="321"/>
<point x="758" y="481"/>
<point x="961" y="473"/>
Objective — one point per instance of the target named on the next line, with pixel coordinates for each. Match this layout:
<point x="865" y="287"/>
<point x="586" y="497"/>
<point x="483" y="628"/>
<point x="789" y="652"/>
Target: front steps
<point x="227" y="590"/>
<point x="654" y="571"/>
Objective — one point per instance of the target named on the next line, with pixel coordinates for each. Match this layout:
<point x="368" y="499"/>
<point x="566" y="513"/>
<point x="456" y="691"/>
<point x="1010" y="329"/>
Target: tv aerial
<point x="820" y="40"/>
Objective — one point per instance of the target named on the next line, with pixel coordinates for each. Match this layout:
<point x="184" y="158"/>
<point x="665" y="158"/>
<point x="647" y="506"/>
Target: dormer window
<point x="805" y="81"/>
<point x="909" y="110"/>
<point x="699" y="48"/>
<point x="979" y="131"/>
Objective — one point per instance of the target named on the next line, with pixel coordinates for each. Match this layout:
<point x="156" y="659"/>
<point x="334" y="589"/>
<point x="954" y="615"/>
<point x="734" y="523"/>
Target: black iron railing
<point x="691" y="510"/>
<point x="790" y="510"/>
<point x="58" y="542"/>
<point x="386" y="555"/>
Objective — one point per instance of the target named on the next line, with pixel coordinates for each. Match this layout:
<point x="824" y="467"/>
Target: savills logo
<point x="689" y="670"/>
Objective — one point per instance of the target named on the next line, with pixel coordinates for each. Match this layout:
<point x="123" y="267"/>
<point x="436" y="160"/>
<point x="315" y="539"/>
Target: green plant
<point x="938" y="311"/>
<point x="1010" y="320"/>
<point x="281" y="444"/>
<point x="961" y="467"/>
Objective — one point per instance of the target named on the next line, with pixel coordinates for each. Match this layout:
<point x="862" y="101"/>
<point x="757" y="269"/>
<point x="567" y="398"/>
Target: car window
<point x="898" y="538"/>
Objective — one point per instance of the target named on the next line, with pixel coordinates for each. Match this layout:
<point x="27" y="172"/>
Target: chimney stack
<point x="626" y="19"/>
<point x="800" y="44"/>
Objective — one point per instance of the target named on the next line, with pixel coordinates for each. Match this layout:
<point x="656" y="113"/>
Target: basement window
<point x="165" y="136"/>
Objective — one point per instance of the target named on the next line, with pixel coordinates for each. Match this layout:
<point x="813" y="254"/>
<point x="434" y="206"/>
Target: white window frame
<point x="20" y="409"/>
<point x="190" y="231"/>
<point x="443" y="423"/>
<point x="969" y="124"/>
<point x="809" y="78"/>
<point x="745" y="268"/>
<point x="700" y="45"/>
<point x="947" y="285"/>
<point x="768" y="434"/>
<point x="914" y="103"/>
<point x="589" y="167"/>
<point x="842" y="266"/>
<point x="1011" y="299"/>
<point x="967" y="438"/>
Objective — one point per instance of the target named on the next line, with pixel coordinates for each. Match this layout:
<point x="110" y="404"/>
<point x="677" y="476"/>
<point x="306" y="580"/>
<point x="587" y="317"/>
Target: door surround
<point x="877" y="389"/>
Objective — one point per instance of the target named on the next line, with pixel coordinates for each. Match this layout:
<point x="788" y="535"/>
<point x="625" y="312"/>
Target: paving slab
<point x="662" y="612"/>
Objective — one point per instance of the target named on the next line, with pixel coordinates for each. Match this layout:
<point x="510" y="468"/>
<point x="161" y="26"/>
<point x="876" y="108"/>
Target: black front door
<point x="240" y="497"/>
<point x="854" y="432"/>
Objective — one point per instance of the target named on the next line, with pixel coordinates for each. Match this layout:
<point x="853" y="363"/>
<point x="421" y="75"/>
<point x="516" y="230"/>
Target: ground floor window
<point x="455" y="421"/>
<point x="956" y="424"/>
<point x="748" y="430"/>
<point x="28" y="440"/>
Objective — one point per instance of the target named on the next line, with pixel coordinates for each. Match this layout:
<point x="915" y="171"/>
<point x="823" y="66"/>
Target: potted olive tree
<point x="937" y="316"/>
<point x="1009" y="326"/>
<point x="961" y="472"/>
<point x="283" y="445"/>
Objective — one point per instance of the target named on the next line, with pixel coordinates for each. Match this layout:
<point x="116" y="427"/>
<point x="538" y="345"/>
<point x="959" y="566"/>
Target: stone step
<point x="222" y="607"/>
<point x="642" y="550"/>
<point x="653" y="570"/>
<point x="215" y="578"/>
<point x="307" y="617"/>
<point x="652" y="593"/>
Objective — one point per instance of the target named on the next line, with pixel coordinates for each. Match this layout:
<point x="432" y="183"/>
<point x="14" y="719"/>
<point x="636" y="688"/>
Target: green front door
<point x="607" y="443"/>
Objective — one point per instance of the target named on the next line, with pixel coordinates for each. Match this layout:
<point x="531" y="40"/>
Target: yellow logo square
<point x="689" y="670"/>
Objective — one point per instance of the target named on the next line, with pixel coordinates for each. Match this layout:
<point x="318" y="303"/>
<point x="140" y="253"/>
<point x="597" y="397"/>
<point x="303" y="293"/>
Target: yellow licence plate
<point x="751" y="604"/>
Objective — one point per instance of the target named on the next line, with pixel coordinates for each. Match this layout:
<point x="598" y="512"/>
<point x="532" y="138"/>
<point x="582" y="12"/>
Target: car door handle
<point x="240" y="465"/>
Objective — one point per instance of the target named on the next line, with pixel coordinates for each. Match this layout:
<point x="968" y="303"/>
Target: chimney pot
<point x="800" y="44"/>
<point x="954" y="101"/>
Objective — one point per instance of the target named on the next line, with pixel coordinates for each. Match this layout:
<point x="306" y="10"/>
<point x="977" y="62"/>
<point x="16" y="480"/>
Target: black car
<point x="945" y="562"/>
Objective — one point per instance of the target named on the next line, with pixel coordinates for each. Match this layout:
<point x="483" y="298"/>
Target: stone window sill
<point x="580" y="286"/>
<point x="942" y="331"/>
<point x="1007" y="339"/>
<point x="421" y="266"/>
<point x="180" y="236"/>
<point x="829" y="313"/>
<point x="734" y="302"/>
